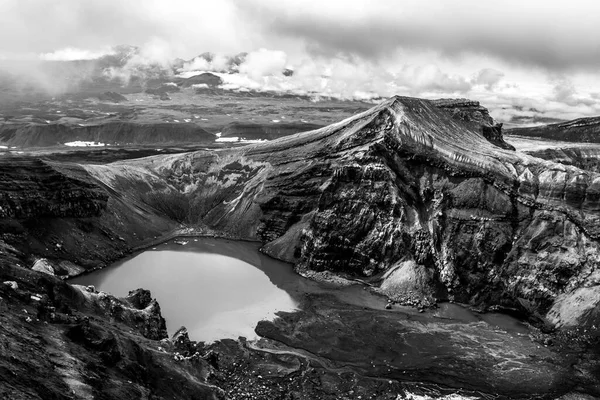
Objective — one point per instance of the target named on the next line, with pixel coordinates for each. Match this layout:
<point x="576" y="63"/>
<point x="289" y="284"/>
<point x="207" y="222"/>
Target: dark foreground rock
<point x="76" y="344"/>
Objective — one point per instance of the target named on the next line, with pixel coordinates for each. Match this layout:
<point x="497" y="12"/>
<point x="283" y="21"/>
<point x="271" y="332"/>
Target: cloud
<point x="431" y="78"/>
<point x="553" y="35"/>
<point x="72" y="54"/>
<point x="488" y="77"/>
<point x="43" y="26"/>
<point x="564" y="91"/>
<point x="263" y="63"/>
<point x="500" y="53"/>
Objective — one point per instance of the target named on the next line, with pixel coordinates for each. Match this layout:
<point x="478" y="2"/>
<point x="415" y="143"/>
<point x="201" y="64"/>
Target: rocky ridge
<point x="578" y="130"/>
<point x="123" y="133"/>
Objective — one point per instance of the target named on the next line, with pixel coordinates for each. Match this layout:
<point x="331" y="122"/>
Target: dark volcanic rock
<point x="163" y="90"/>
<point x="112" y="96"/>
<point x="578" y="130"/>
<point x="269" y="131"/>
<point x="206" y="78"/>
<point x="139" y="298"/>
<point x="472" y="112"/>
<point x="182" y="343"/>
<point x="32" y="188"/>
<point x="587" y="158"/>
<point x="70" y="346"/>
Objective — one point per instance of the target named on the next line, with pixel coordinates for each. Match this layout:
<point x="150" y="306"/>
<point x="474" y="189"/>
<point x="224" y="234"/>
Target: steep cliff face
<point x="578" y="130"/>
<point x="587" y="158"/>
<point x="474" y="113"/>
<point x="61" y="214"/>
<point x="36" y="135"/>
<point x="403" y="182"/>
<point x="32" y="188"/>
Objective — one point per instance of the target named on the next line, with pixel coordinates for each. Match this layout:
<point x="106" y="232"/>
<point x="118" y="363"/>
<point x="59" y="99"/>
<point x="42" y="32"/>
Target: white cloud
<point x="71" y="54"/>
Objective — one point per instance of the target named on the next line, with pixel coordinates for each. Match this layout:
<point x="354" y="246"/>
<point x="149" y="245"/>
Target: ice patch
<point x="187" y="120"/>
<point x="175" y="120"/>
<point x="204" y="119"/>
<point x="218" y="134"/>
<point x="200" y="86"/>
<point x="276" y="120"/>
<point x="453" y="396"/>
<point x="3" y="147"/>
<point x="253" y="140"/>
<point x="227" y="139"/>
<point x="80" y="143"/>
<point x="238" y="140"/>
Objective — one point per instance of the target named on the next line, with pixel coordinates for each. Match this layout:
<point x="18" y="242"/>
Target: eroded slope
<point x="404" y="181"/>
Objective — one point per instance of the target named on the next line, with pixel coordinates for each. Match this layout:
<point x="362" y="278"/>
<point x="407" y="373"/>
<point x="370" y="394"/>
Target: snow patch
<point x="227" y="139"/>
<point x="81" y="143"/>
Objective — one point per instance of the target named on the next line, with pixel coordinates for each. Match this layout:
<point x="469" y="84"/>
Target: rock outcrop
<point x="578" y="130"/>
<point x="472" y="112"/>
<point x="113" y="97"/>
<point x="586" y="158"/>
<point x="206" y="78"/>
<point x="33" y="188"/>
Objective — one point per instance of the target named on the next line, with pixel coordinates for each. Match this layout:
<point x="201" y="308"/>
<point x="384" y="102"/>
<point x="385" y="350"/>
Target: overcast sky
<point x="535" y="54"/>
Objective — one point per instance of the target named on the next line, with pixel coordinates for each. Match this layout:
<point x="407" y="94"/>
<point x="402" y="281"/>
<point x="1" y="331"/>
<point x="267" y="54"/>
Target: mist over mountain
<point x="127" y="68"/>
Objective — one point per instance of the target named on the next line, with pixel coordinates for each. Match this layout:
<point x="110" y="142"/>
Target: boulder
<point x="408" y="283"/>
<point x="43" y="265"/>
<point x="181" y="342"/>
<point x="139" y="298"/>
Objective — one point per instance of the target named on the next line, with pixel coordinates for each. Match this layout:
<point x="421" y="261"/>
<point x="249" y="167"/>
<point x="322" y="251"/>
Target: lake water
<point x="215" y="288"/>
<point x="220" y="288"/>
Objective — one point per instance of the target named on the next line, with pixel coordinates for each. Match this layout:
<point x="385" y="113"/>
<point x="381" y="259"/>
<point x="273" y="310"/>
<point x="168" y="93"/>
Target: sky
<point x="519" y="58"/>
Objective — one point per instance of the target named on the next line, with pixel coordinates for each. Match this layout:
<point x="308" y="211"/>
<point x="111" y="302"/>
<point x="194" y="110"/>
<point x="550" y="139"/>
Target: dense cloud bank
<point x="520" y="59"/>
